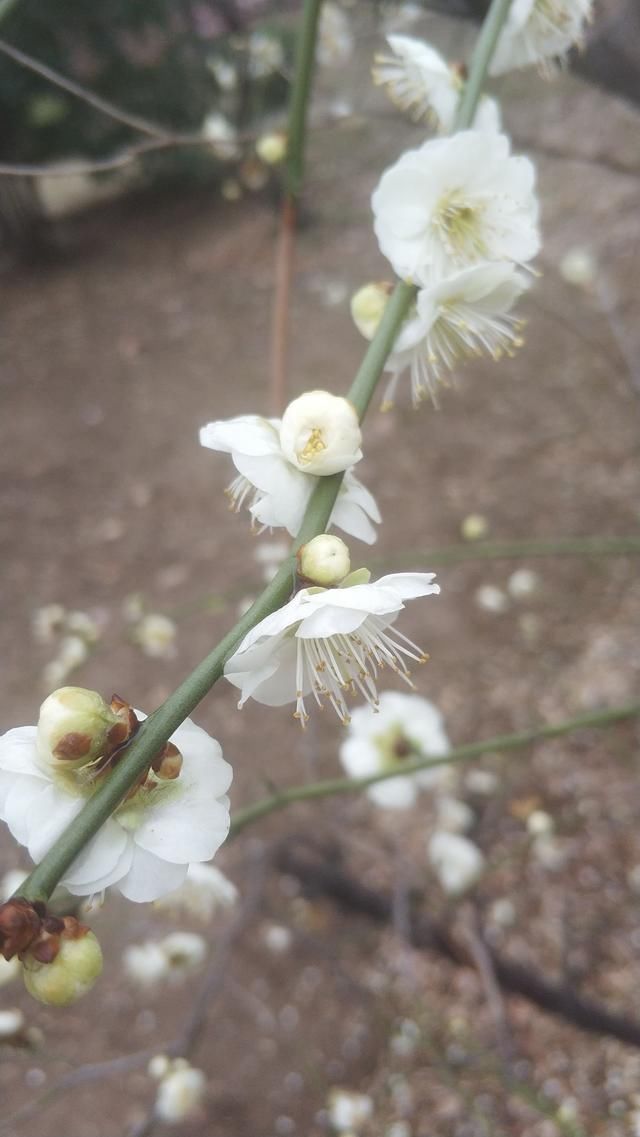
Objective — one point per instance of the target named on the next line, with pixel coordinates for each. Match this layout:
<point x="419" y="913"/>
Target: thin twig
<point x="80" y="92"/>
<point x="501" y="744"/>
<point x="195" y="1021"/>
<point x="320" y="876"/>
<point x="481" y="957"/>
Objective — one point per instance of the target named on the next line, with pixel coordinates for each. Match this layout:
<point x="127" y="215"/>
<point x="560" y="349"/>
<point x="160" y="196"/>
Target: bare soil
<point x="157" y="321"/>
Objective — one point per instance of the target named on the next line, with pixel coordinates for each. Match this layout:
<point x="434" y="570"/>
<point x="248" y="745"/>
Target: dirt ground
<point x="156" y="321"/>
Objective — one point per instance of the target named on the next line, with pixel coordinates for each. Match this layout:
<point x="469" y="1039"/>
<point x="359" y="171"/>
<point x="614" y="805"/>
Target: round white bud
<point x="70" y="975"/>
<point x="272" y="148"/>
<point x="73" y="727"/>
<point x="324" y="560"/>
<point x="368" y="305"/>
<point x="320" y="433"/>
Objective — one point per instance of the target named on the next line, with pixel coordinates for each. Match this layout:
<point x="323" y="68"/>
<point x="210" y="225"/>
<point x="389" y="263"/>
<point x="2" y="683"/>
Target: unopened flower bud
<point x="368" y="305"/>
<point x="74" y="726"/>
<point x="272" y="148"/>
<point x="324" y="560"/>
<point x="320" y="433"/>
<point x="73" y="971"/>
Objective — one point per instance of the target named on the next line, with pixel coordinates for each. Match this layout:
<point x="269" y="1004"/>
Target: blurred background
<point x="136" y="307"/>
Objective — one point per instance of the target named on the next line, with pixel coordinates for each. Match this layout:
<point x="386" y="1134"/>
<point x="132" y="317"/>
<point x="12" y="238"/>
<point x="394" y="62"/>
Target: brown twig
<point x="320" y="876"/>
<point x="80" y="92"/>
<point x="192" y="1029"/>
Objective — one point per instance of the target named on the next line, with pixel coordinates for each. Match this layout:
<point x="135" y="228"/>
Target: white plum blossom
<point x="320" y="433"/>
<point x="457" y="862"/>
<point x="171" y="959"/>
<point x="181" y="1091"/>
<point x="421" y="82"/>
<point x="349" y="1111"/>
<point x="156" y="634"/>
<point x="145" y="848"/>
<point x="401" y="730"/>
<point x="335" y="39"/>
<point x="277" y="493"/>
<point x="537" y="32"/>
<point x="455" y="202"/>
<point x="203" y="893"/>
<point x="328" y="641"/>
<point x="466" y="314"/>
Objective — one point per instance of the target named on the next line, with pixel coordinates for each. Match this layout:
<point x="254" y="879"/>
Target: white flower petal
<point x="246" y="434"/>
<point x="18" y="752"/>
<point x="150" y="877"/>
<point x="99" y="858"/>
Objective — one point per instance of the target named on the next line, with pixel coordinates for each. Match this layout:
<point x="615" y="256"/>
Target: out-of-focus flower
<point x="457" y="862"/>
<point x="274" y="491"/>
<point x="272" y="148"/>
<point x="180" y="814"/>
<point x="580" y="268"/>
<point x="170" y="959"/>
<point x="349" y="1111"/>
<point x="46" y="621"/>
<point x="266" y="55"/>
<point x="454" y="203"/>
<point x="421" y="82"/>
<point x="181" y="1091"/>
<point x="328" y="641"/>
<point x="335" y="39"/>
<point x="474" y="527"/>
<point x="11" y="1021"/>
<point x="224" y="72"/>
<point x="156" y="635"/>
<point x="538" y="32"/>
<point x="454" y="815"/>
<point x="404" y="728"/>
<point x="523" y="583"/>
<point x="491" y="599"/>
<point x="203" y="894"/>
<point x="222" y="136"/>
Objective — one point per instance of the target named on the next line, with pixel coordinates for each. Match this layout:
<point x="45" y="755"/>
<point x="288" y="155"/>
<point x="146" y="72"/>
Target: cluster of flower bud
<point x="61" y="958"/>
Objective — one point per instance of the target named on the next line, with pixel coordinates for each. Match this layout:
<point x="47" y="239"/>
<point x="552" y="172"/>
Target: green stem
<point x="502" y="744"/>
<point x="526" y="549"/>
<point x="161" y="724"/>
<point x="480" y="61"/>
<point x="155" y="731"/>
<point x="299" y="100"/>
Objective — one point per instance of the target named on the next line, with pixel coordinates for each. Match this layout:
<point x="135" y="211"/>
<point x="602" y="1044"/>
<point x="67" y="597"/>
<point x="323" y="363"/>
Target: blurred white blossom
<point x="421" y="82"/>
<point x="491" y="599"/>
<point x="335" y="39"/>
<point x="202" y="895"/>
<point x="181" y="1091"/>
<point x="457" y="862"/>
<point x="538" y="32"/>
<point x="402" y="729"/>
<point x="349" y="1111"/>
<point x="156" y="634"/>
<point x="523" y="583"/>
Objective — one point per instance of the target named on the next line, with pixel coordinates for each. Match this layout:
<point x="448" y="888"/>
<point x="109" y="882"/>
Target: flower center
<point x="459" y="226"/>
<point x="394" y="747"/>
<point x="315" y="444"/>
